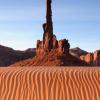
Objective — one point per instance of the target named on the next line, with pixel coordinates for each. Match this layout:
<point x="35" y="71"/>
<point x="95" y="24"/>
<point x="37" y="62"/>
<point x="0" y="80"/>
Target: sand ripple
<point x="56" y="83"/>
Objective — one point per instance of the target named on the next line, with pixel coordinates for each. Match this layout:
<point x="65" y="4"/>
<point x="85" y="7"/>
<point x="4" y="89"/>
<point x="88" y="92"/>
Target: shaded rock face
<point x="92" y="59"/>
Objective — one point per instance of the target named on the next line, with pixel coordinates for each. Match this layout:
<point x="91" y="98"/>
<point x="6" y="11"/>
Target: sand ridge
<point x="51" y="83"/>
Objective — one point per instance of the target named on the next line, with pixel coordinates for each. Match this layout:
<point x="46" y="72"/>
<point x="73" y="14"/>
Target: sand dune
<point x="56" y="83"/>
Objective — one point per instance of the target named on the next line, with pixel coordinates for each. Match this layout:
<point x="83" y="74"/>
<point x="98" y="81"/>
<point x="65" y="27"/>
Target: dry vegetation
<point x="53" y="83"/>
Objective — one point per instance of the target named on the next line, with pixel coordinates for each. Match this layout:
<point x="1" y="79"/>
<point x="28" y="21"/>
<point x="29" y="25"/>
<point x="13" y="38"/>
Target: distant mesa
<point x="10" y="56"/>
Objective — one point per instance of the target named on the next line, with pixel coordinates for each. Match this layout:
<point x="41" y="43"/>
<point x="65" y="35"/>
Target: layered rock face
<point x="50" y="41"/>
<point x="92" y="59"/>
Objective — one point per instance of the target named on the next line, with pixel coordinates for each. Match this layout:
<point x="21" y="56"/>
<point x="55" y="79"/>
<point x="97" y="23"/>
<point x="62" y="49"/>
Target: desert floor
<point x="49" y="83"/>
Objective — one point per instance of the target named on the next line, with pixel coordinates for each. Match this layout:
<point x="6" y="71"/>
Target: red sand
<point x="55" y="83"/>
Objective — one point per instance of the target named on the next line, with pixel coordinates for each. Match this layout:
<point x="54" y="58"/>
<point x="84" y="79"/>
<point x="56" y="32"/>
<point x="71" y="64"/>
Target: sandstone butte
<point x="50" y="51"/>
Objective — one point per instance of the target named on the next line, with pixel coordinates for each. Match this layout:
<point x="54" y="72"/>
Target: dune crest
<point x="55" y="83"/>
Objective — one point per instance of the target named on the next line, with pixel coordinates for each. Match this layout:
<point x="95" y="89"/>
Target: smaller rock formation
<point x="92" y="59"/>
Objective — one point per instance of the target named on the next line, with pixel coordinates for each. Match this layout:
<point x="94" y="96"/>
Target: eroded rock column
<point x="48" y="28"/>
<point x="50" y="41"/>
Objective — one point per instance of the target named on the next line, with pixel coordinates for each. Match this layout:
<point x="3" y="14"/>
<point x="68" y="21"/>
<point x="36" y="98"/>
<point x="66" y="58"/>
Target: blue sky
<point x="77" y="20"/>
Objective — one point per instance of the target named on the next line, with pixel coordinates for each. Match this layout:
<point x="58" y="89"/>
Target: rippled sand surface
<point x="55" y="83"/>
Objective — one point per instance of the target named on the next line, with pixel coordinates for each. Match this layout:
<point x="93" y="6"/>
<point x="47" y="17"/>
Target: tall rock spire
<point x="50" y="41"/>
<point x="48" y="27"/>
<point x="48" y="11"/>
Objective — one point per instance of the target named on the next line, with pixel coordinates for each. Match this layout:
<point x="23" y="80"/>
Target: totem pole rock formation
<point x="50" y="51"/>
<point x="49" y="39"/>
<point x="48" y="28"/>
